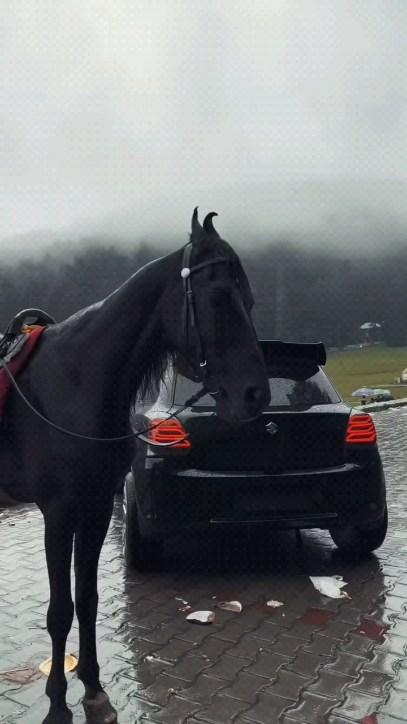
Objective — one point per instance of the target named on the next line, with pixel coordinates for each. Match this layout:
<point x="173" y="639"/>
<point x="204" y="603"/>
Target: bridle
<point x="189" y="321"/>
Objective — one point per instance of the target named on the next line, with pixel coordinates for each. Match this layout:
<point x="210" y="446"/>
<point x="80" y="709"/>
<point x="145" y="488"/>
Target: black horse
<point x="83" y="377"/>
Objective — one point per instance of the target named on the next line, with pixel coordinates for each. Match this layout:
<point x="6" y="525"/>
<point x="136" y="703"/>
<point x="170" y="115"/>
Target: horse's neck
<point x="125" y="328"/>
<point x="126" y="312"/>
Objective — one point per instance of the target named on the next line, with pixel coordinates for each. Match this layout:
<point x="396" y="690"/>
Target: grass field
<point x="366" y="367"/>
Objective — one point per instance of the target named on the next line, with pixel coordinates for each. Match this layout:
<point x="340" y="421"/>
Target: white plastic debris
<point x="181" y="600"/>
<point x="274" y="604"/>
<point x="233" y="606"/>
<point x="203" y="617"/>
<point x="330" y="586"/>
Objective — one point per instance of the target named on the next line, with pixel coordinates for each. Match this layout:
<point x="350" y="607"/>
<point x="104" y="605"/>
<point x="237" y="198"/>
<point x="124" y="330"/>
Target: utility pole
<point x="279" y="301"/>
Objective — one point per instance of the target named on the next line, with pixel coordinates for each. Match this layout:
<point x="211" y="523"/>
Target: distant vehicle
<point x="383" y="397"/>
<point x="309" y="461"/>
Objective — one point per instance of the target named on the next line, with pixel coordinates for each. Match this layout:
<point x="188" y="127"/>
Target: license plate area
<point x="269" y="502"/>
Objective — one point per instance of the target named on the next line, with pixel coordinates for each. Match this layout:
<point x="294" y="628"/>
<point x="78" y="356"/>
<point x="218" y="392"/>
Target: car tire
<point x="357" y="542"/>
<point x="143" y="554"/>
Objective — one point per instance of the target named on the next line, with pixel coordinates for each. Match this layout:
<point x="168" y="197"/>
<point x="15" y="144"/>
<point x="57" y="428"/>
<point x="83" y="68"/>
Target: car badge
<point x="272" y="428"/>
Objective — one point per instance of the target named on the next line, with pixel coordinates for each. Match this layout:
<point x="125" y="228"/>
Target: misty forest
<point x="301" y="294"/>
<point x="289" y="123"/>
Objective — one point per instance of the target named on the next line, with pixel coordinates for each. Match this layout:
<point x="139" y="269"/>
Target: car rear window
<point x="290" y="386"/>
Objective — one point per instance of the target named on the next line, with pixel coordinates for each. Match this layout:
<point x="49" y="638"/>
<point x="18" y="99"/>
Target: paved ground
<point x="313" y="660"/>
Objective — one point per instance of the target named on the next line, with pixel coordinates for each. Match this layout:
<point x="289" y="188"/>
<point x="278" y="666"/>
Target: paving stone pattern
<point x="313" y="660"/>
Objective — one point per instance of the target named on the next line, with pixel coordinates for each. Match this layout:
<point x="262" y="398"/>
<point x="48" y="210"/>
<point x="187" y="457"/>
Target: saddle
<point x="18" y="330"/>
<point x="17" y="345"/>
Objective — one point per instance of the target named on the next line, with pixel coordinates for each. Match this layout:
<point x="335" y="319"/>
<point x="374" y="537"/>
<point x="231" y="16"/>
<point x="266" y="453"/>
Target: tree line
<point x="301" y="294"/>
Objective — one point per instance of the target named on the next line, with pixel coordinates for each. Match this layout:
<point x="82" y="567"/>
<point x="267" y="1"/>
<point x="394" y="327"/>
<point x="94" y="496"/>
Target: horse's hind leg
<point x="59" y="529"/>
<point x="89" y="539"/>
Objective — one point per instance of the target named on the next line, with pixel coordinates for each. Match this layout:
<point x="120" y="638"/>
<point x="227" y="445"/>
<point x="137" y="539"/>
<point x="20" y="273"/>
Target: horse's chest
<point x="12" y="480"/>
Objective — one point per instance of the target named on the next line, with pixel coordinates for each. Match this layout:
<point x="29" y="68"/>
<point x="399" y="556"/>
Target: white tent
<point x="370" y="325"/>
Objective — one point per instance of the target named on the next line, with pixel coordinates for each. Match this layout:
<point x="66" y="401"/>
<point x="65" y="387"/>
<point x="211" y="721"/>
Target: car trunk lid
<point x="277" y="441"/>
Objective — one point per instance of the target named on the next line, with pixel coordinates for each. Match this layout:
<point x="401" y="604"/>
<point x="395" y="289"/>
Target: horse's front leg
<point x="88" y="543"/>
<point x="59" y="529"/>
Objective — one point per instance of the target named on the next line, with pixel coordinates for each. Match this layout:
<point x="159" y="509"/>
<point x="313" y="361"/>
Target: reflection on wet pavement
<point x="312" y="660"/>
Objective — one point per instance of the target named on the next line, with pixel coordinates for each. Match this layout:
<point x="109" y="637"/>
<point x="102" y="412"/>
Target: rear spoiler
<point x="274" y="350"/>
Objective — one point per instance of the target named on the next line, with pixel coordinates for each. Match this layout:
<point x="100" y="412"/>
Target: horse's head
<point x="209" y="316"/>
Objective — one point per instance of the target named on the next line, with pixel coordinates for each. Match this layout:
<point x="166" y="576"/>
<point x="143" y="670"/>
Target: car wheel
<point x="143" y="554"/>
<point x="357" y="542"/>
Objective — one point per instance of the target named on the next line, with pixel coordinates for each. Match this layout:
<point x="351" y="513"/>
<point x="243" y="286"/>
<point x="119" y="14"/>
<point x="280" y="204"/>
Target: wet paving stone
<point x="386" y="719"/>
<point x="345" y="663"/>
<point x="358" y="706"/>
<point x="317" y="618"/>
<point x="268" y="708"/>
<point x="175" y="712"/>
<point x="396" y="703"/>
<point x="288" y="685"/>
<point x="330" y="684"/>
<point x="306" y="664"/>
<point x="311" y="709"/>
<point x="246" y="687"/>
<point x="373" y="682"/>
<point x="314" y="660"/>
<point x="203" y="688"/>
<point x="189" y="667"/>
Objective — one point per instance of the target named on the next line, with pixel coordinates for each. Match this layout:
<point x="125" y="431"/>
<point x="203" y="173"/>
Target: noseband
<point x="189" y="314"/>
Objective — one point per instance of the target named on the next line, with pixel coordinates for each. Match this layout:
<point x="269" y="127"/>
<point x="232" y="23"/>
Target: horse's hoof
<point x="99" y="710"/>
<point x="59" y="717"/>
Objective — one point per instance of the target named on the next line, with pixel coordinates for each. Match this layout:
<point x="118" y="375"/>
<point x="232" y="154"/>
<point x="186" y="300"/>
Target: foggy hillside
<point x="302" y="294"/>
<point x="353" y="217"/>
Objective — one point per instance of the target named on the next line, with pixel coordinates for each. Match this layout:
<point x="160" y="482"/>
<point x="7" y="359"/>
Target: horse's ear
<point x="196" y="228"/>
<point x="208" y="225"/>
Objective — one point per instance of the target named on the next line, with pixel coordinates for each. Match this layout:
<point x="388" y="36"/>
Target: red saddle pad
<point x="17" y="365"/>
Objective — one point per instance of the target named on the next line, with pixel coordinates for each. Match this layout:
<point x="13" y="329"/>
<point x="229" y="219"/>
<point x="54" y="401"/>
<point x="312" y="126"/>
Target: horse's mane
<point x="148" y="386"/>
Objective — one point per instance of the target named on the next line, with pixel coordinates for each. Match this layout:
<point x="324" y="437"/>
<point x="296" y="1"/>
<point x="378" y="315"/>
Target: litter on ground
<point x="274" y="604"/>
<point x="24" y="675"/>
<point x="203" y="617"/>
<point x="71" y="662"/>
<point x="330" y="586"/>
<point x="233" y="606"/>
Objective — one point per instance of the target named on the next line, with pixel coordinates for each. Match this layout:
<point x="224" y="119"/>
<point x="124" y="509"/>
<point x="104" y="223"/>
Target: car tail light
<point x="360" y="430"/>
<point x="169" y="431"/>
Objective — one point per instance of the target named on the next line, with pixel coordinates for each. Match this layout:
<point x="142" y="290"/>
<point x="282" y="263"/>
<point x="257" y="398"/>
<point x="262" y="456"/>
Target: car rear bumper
<point x="171" y="500"/>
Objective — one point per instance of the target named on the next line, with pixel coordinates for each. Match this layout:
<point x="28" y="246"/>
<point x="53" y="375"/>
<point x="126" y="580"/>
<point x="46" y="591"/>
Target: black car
<point x="309" y="461"/>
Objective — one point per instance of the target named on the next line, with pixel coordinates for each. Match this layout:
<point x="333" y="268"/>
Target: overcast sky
<point x="123" y="114"/>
